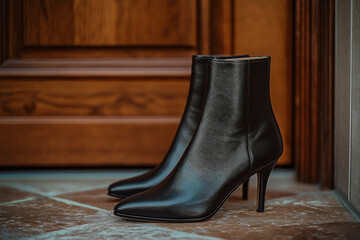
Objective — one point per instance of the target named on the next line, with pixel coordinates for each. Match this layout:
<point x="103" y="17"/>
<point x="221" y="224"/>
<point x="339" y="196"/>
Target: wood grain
<point x="14" y="26"/>
<point x="314" y="81"/>
<point x="62" y="142"/>
<point x="63" y="61"/>
<point x="303" y="77"/>
<point x="48" y="22"/>
<point x="111" y="23"/>
<point x="267" y="30"/>
<point x="327" y="95"/>
<point x="173" y="67"/>
<point x="90" y="63"/>
<point x="3" y="23"/>
<point x="222" y="26"/>
<point x="93" y="97"/>
<point x="106" y="52"/>
<point x="204" y="20"/>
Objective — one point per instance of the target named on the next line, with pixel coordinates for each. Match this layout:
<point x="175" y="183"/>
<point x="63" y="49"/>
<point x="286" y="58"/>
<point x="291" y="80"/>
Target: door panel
<point x="38" y="142"/>
<point x="104" y="83"/>
<point x="92" y="97"/>
<point x="110" y="23"/>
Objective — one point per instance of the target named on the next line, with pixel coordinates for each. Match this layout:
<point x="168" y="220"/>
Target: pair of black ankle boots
<point x="228" y="132"/>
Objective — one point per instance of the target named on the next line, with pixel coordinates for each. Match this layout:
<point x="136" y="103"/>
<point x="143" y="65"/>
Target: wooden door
<point x="263" y="27"/>
<point x="104" y="83"/>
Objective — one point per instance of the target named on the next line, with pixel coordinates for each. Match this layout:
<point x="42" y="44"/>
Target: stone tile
<point x="276" y="183"/>
<point x="302" y="217"/>
<point x="8" y="194"/>
<point x="53" y="187"/>
<point x="236" y="197"/>
<point x="281" y="184"/>
<point x="84" y="211"/>
<point x="97" y="198"/>
<point x="100" y="199"/>
<point x="115" y="228"/>
<point x="40" y="216"/>
<point x="284" y="180"/>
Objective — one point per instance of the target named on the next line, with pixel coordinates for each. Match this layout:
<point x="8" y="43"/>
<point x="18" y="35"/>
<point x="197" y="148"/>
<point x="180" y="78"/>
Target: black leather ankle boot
<point x="237" y="136"/>
<point x="128" y="187"/>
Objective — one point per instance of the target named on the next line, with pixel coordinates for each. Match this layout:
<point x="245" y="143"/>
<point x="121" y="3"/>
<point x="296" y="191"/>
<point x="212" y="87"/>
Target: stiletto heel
<point x="245" y="189"/>
<point x="262" y="178"/>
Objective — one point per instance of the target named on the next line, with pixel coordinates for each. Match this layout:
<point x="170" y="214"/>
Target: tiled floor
<point x="74" y="205"/>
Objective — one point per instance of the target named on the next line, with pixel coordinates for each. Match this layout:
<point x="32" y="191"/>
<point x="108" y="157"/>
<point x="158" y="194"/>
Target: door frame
<point x="314" y="91"/>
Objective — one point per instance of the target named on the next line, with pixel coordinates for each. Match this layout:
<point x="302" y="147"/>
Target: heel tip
<point x="260" y="210"/>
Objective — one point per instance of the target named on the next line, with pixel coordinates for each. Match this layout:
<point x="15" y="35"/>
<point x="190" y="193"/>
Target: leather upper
<point x="237" y="135"/>
<point x="185" y="131"/>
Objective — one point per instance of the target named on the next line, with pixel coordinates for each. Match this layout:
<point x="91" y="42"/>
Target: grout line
<point x="110" y="175"/>
<point x="183" y="234"/>
<point x="148" y="228"/>
<point x="72" y="191"/>
<point x="178" y="234"/>
<point x="152" y="225"/>
<point x="70" y="202"/>
<point x="347" y="205"/>
<point x="21" y="187"/>
<point x="21" y="200"/>
<point x="47" y="195"/>
<point x="47" y="235"/>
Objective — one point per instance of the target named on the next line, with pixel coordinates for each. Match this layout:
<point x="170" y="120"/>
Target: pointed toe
<point x="123" y="209"/>
<point x="118" y="190"/>
<point x="118" y="194"/>
<point x="133" y="209"/>
<point x="123" y="189"/>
